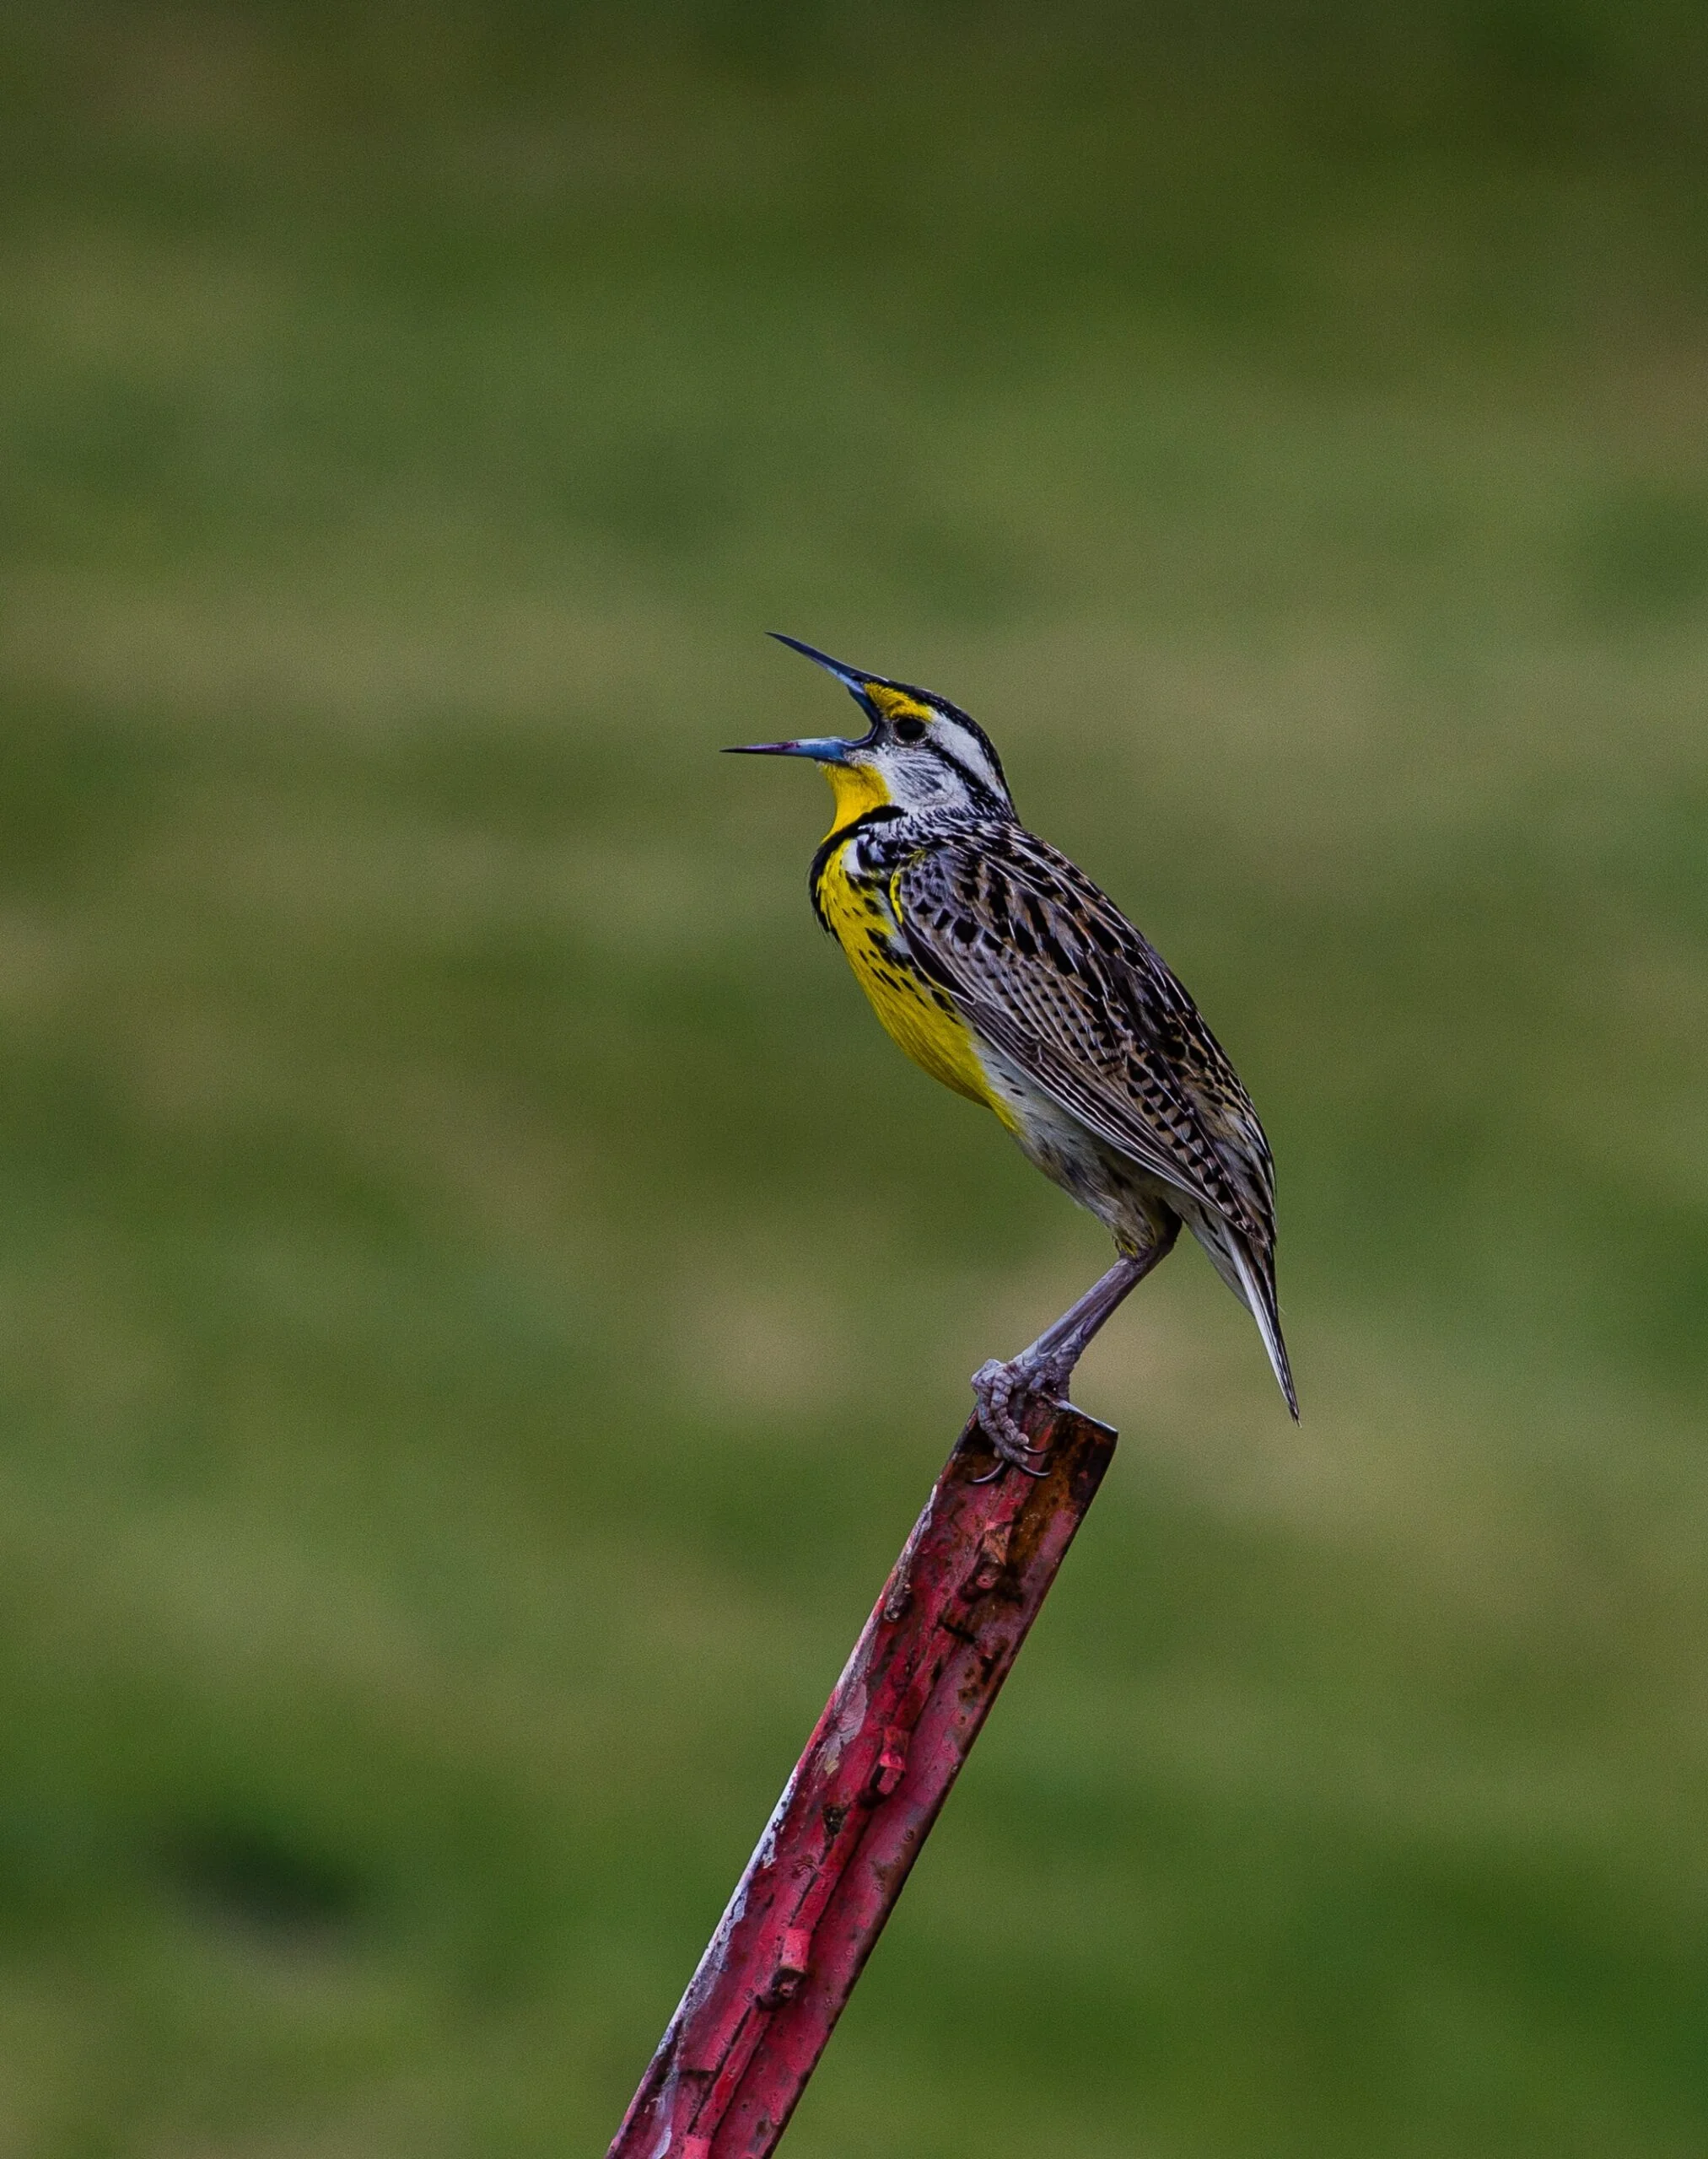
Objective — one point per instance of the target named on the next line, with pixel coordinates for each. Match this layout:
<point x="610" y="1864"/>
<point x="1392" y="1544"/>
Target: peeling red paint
<point x="836" y="1853"/>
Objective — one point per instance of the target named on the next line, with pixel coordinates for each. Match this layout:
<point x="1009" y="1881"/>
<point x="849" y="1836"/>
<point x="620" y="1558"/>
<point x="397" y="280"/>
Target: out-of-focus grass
<point x="480" y="1301"/>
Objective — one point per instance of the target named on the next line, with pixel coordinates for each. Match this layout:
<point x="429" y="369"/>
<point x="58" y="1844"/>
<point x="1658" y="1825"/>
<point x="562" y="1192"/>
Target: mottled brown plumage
<point x="1000" y="966"/>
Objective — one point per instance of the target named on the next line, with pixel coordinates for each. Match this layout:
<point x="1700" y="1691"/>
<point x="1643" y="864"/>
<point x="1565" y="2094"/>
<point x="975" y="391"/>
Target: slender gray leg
<point x="1042" y="1372"/>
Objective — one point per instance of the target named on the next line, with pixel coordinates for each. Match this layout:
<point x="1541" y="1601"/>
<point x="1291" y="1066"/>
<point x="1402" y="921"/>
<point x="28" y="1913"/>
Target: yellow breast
<point x="918" y="1017"/>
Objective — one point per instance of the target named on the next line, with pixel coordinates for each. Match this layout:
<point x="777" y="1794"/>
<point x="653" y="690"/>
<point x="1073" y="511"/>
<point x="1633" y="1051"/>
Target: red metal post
<point x="861" y="1802"/>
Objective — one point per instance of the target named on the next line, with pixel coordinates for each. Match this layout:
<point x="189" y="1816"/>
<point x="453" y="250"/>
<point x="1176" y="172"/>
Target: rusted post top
<point x="861" y="1802"/>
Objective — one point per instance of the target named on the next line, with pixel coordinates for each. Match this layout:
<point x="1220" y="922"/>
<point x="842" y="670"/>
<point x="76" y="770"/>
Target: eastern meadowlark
<point x="1000" y="967"/>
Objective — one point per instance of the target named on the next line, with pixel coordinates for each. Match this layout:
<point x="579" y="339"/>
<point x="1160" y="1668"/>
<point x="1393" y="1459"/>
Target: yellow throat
<point x="857" y="789"/>
<point x="918" y="1017"/>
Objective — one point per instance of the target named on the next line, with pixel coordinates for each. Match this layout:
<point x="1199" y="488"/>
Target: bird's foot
<point x="997" y="1389"/>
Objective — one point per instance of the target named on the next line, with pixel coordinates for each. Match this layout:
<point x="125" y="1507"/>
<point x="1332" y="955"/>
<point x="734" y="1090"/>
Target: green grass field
<point x="479" y="1300"/>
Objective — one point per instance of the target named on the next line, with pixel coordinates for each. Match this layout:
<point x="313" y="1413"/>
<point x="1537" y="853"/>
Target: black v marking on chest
<point x="886" y="813"/>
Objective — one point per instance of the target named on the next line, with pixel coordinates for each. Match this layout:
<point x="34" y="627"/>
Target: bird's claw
<point x="995" y="1386"/>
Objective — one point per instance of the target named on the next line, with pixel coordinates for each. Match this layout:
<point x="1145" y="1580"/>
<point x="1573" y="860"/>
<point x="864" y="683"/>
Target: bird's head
<point x="918" y="752"/>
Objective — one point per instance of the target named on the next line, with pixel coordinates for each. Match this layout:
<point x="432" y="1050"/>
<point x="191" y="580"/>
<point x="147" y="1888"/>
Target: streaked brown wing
<point x="1049" y="970"/>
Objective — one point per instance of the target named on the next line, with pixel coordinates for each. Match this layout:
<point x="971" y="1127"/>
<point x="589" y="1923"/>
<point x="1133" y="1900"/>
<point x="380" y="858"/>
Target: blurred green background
<point x="479" y="1300"/>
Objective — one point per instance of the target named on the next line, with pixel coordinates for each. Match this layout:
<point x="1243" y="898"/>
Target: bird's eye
<point x="910" y="730"/>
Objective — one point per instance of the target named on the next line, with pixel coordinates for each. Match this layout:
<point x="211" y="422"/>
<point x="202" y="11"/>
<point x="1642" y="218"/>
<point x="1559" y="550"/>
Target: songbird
<point x="1004" y="971"/>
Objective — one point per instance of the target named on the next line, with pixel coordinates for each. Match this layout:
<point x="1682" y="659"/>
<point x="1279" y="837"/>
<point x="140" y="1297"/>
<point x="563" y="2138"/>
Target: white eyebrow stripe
<point x="968" y="751"/>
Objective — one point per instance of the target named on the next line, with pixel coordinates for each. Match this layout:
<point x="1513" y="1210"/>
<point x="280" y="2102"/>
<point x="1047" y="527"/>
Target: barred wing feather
<point x="1049" y="969"/>
<point x="1045" y="968"/>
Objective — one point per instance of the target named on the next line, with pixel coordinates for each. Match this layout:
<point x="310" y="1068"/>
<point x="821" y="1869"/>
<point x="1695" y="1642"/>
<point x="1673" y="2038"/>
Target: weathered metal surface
<point x="861" y="1802"/>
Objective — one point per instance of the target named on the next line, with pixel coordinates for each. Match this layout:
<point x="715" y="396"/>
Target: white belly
<point x="1131" y="1204"/>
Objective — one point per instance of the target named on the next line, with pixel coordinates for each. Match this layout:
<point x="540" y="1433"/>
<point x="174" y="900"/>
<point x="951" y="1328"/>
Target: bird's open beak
<point x="825" y="748"/>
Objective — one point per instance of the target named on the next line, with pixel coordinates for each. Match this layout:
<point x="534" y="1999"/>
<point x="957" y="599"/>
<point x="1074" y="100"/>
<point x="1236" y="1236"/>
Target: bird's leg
<point x="1042" y="1372"/>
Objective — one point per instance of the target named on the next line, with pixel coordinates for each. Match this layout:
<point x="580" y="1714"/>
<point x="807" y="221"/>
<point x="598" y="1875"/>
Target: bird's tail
<point x="1253" y="1280"/>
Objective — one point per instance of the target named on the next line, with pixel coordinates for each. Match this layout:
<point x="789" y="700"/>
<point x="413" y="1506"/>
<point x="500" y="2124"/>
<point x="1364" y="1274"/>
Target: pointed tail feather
<point x="1255" y="1288"/>
<point x="1260" y="1301"/>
